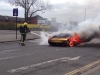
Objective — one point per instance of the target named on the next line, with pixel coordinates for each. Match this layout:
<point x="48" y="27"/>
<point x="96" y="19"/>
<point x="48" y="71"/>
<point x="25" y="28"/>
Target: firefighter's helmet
<point x="25" y="23"/>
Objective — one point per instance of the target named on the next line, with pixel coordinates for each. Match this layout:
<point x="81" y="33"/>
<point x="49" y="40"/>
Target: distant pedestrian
<point x="23" y="30"/>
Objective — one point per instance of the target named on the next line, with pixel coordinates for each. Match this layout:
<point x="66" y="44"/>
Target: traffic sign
<point x="15" y="12"/>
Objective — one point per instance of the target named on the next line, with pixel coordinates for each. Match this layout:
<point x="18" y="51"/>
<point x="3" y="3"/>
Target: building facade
<point x="34" y="20"/>
<point x="10" y="19"/>
<point x="39" y="20"/>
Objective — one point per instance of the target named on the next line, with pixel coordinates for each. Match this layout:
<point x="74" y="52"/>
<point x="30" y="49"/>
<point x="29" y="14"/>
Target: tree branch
<point x="38" y="5"/>
<point x="35" y="12"/>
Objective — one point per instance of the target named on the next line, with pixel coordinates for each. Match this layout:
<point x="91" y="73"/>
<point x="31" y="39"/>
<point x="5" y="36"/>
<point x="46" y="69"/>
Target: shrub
<point x="12" y="26"/>
<point x="7" y="26"/>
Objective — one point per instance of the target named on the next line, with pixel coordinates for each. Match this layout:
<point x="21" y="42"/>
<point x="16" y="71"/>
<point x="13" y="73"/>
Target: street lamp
<point x="85" y="14"/>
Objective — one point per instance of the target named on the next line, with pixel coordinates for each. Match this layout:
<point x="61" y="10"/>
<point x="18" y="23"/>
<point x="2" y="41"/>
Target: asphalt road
<point x="35" y="59"/>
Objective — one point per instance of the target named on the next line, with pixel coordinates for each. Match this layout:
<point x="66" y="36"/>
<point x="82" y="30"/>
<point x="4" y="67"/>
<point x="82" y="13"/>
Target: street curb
<point x="92" y="70"/>
<point x="17" y="40"/>
<point x="84" y="69"/>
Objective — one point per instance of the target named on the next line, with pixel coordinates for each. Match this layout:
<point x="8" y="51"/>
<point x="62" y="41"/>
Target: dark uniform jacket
<point x="24" y="29"/>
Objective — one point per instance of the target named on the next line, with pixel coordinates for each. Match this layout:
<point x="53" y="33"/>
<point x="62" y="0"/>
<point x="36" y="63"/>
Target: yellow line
<point x="84" y="68"/>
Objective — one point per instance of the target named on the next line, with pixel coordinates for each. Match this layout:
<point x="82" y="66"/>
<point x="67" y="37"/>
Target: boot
<point x="22" y="44"/>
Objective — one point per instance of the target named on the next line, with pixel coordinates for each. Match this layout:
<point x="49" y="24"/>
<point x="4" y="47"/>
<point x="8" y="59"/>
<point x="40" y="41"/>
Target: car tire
<point x="68" y="43"/>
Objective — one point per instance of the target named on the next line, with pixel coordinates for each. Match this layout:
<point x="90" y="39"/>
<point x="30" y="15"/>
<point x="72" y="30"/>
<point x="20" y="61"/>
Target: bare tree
<point x="31" y="6"/>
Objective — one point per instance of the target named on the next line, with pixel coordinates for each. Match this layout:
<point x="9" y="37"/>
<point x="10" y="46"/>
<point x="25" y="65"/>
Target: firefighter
<point x="23" y="30"/>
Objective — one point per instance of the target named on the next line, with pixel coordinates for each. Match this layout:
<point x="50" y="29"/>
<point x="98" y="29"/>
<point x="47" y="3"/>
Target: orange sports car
<point x="65" y="39"/>
<point x="59" y="39"/>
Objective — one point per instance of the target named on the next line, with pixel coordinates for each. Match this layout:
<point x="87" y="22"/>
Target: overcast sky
<point x="62" y="10"/>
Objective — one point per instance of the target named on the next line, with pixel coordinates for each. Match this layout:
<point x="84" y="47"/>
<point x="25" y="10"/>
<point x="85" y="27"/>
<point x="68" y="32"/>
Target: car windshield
<point x="62" y="35"/>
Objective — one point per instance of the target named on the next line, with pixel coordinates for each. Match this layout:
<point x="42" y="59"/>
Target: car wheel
<point x="67" y="44"/>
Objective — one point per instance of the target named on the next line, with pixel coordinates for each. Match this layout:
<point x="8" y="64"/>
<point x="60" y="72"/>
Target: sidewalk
<point x="9" y="35"/>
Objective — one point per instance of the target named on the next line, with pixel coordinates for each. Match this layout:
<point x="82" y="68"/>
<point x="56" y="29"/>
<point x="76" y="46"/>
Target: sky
<point x="62" y="10"/>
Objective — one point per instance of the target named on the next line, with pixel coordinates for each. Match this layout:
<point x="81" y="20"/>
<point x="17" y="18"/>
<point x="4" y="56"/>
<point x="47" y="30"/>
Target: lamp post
<point x="85" y="14"/>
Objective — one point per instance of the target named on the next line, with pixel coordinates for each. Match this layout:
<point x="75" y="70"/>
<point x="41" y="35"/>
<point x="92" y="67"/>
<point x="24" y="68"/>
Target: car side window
<point x="63" y="35"/>
<point x="55" y="36"/>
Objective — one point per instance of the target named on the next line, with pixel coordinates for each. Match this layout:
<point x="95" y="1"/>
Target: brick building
<point x="34" y="20"/>
<point x="38" y="20"/>
<point x="10" y="19"/>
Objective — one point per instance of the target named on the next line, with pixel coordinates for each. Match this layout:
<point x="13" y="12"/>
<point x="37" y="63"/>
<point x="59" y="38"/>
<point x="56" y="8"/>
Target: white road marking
<point x="11" y="50"/>
<point x="42" y="63"/>
<point x="15" y="56"/>
<point x="60" y="49"/>
<point x="76" y="58"/>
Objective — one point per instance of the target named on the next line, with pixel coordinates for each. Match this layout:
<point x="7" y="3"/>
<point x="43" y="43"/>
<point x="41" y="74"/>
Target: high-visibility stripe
<point x="22" y="40"/>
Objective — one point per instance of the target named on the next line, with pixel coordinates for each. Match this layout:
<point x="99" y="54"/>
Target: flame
<point x="75" y="40"/>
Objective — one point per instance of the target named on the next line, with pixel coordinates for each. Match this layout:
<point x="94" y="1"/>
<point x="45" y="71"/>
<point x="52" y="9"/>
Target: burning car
<point x="65" y="39"/>
<point x="59" y="39"/>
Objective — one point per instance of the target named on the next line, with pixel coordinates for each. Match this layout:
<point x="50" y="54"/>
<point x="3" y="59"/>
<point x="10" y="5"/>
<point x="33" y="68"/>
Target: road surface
<point x="35" y="59"/>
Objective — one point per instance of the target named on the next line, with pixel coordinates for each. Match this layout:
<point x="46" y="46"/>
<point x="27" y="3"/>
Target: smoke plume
<point x="86" y="30"/>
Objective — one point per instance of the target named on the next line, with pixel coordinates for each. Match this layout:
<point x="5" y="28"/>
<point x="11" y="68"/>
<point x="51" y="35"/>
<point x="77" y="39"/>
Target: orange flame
<point x="75" y="40"/>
